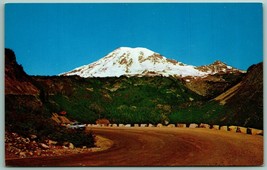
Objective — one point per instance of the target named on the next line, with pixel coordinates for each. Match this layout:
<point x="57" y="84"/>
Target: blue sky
<point x="49" y="39"/>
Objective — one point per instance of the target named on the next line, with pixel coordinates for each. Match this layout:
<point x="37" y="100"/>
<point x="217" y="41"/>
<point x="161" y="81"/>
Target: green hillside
<point x="121" y="100"/>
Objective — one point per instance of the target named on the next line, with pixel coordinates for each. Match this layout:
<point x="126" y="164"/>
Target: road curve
<point x="163" y="147"/>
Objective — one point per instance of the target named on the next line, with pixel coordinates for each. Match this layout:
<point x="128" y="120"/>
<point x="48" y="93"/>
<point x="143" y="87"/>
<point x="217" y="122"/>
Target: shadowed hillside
<point x="26" y="112"/>
<point x="245" y="100"/>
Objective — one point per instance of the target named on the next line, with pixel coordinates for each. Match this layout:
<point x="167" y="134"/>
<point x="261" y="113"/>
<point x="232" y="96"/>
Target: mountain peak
<point x="218" y="62"/>
<point x="218" y="67"/>
<point x="123" y="52"/>
<point x="136" y="49"/>
<point x="141" y="61"/>
<point x="137" y="61"/>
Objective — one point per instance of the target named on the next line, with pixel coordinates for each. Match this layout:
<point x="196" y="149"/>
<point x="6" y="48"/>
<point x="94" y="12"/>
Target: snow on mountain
<point x="137" y="62"/>
<point x="218" y="67"/>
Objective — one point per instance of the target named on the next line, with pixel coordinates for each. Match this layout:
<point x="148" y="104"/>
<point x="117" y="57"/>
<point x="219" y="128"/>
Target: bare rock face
<point x="212" y="85"/>
<point x="220" y="77"/>
<point x="16" y="80"/>
<point x="218" y="67"/>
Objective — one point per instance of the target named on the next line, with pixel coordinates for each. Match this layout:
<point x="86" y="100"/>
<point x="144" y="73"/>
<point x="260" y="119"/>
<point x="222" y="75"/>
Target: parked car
<point x="76" y="125"/>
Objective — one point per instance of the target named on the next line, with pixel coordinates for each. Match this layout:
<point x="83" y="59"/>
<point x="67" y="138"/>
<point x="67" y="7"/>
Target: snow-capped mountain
<point x="137" y="62"/>
<point x="218" y="67"/>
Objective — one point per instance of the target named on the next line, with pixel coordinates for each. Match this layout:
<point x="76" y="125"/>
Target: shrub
<point x="76" y="137"/>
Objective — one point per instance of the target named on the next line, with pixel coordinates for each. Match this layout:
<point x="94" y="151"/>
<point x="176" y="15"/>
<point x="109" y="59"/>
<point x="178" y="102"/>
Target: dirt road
<point x="163" y="147"/>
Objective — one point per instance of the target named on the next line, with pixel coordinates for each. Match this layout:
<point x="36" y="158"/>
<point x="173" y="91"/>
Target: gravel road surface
<point x="151" y="146"/>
